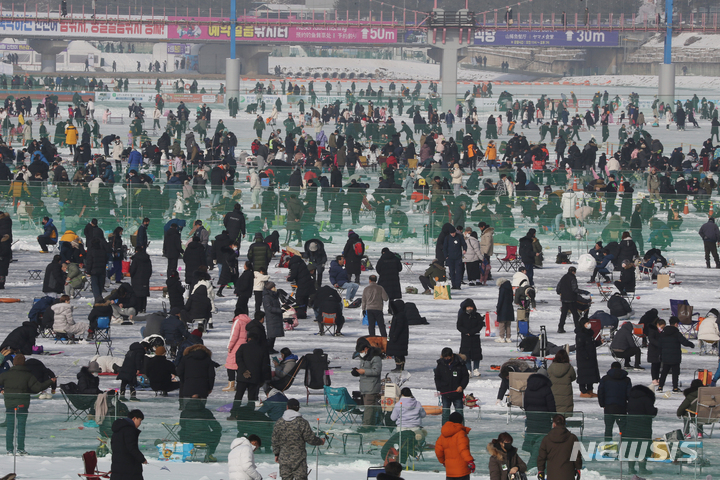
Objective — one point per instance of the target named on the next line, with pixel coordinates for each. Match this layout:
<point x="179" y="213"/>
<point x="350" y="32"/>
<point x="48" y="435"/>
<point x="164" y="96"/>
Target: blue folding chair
<point x="373" y="472"/>
<point x="523" y="331"/>
<point x="688" y="323"/>
<point x="340" y="406"/>
<point x="102" y="335"/>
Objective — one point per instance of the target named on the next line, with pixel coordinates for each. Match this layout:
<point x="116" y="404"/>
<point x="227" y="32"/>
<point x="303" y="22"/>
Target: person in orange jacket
<point x="452" y="449"/>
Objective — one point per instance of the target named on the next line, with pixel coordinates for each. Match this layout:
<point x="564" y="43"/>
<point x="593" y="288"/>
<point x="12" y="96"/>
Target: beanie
<point x="196" y="333"/>
<point x="350" y="233"/>
<point x="456" y="417"/>
<point x="160" y="350"/>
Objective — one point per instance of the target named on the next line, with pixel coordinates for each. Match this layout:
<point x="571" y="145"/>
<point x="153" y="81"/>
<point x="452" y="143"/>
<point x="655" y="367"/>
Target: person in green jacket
<point x="259" y="126"/>
<point x="17" y="384"/>
<point x="436" y="273"/>
<point x="43" y="131"/>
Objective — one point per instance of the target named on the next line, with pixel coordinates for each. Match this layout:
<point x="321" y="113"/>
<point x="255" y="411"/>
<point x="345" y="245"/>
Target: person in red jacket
<point x="453" y="449"/>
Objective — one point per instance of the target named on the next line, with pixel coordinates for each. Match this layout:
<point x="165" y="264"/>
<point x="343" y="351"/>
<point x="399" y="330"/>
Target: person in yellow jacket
<point x="71" y="137"/>
<point x="491" y="155"/>
<point x="18" y="187"/>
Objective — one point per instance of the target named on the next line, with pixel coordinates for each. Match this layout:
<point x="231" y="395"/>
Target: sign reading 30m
<point x="540" y="38"/>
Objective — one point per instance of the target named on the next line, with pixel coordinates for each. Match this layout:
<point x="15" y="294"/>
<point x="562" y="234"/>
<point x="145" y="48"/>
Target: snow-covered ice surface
<point x="59" y="444"/>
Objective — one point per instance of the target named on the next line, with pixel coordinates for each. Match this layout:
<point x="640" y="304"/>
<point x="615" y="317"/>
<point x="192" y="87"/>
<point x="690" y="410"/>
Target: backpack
<point x="358" y="249"/>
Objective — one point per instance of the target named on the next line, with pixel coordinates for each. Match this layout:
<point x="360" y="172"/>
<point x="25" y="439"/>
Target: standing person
<point x="260" y="278"/>
<point x="140" y="273"/>
<point x="452" y="449"/>
<point x="641" y="405"/>
<point x="527" y="254"/>
<point x="555" y="456"/>
<point x="18" y="383"/>
<point x="588" y="372"/>
<point x="5" y="258"/>
<point x="399" y="338"/>
<point x="539" y="405"/>
<point x="196" y="371"/>
<point x="273" y="315"/>
<point x="253" y="370"/>
<point x="486" y="249"/>
<point x="472" y="257"/>
<point x="234" y="223"/>
<point x="470" y="324"/>
<point x="613" y="395"/>
<point x="562" y="375"/>
<point x="117" y="250"/>
<point x="451" y="379"/>
<point x="172" y="248"/>
<point x="141" y="239"/>
<point x="290" y="434"/>
<point x="372" y="305"/>
<point x="454" y="247"/>
<point x="259" y="253"/>
<point x="243" y="288"/>
<point x="568" y="290"/>
<point x="504" y="459"/>
<point x="96" y="267"/>
<point x="671" y="341"/>
<point x="504" y="310"/>
<point x="238" y="337"/>
<point x="389" y="267"/>
<point x="369" y="372"/>
<point x="710" y="234"/>
<point x="241" y="459"/>
<point x="353" y="253"/>
<point x="654" y="332"/>
<point x="127" y="460"/>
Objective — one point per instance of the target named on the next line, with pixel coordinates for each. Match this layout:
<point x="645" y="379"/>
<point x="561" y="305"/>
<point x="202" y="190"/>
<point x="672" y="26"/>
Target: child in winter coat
<point x="64" y="322"/>
<point x="238" y="336"/>
<point x="261" y="277"/>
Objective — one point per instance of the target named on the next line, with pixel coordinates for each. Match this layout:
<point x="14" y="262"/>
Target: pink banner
<point x="285" y="33"/>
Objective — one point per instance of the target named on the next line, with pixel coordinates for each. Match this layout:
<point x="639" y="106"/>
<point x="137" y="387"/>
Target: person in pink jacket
<point x="238" y="336"/>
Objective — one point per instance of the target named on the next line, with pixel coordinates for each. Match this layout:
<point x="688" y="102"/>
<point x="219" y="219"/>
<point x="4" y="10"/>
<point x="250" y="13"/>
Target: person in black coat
<point x="451" y="380"/>
<point x="229" y="271"/>
<point x="444" y="232"/>
<point x="172" y="248"/>
<point x="671" y="342"/>
<point x="257" y="327"/>
<point x="197" y="372"/>
<point x="43" y="373"/>
<point x="504" y="309"/>
<point x="193" y="258"/>
<point x="234" y="223"/>
<point x="218" y="249"/>
<point x="588" y="372"/>
<point x="175" y="291"/>
<point x="654" y="330"/>
<point x="173" y="329"/>
<point x="568" y="290"/>
<point x="316" y="256"/>
<point x="95" y="267"/>
<point x="5" y="258"/>
<point x="159" y="371"/>
<point x="539" y="406"/>
<point x="527" y="254"/>
<point x="54" y="280"/>
<point x="140" y="273"/>
<point x="352" y="257"/>
<point x="253" y="369"/>
<point x="198" y="306"/>
<point x="22" y="338"/>
<point x="613" y="395"/>
<point x="88" y="384"/>
<point x="399" y="337"/>
<point x="388" y="268"/>
<point x="641" y="406"/>
<point x="628" y="250"/>
<point x="127" y="460"/>
<point x="328" y="300"/>
<point x="626" y="284"/>
<point x="244" y="289"/>
<point x="131" y="368"/>
<point x="300" y="276"/>
<point x="470" y="324"/>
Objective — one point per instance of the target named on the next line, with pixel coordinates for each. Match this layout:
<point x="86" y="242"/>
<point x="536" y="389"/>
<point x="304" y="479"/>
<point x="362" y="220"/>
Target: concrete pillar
<point x="232" y="78"/>
<point x="666" y="83"/>
<point x="212" y="58"/>
<point x="447" y="54"/>
<point x="48" y="50"/>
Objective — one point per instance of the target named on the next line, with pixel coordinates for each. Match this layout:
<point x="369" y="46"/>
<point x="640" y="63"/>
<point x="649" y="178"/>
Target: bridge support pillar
<point x="48" y="50"/>
<point x="666" y="83"/>
<point x="253" y="60"/>
<point x="447" y="55"/>
<point x="232" y="78"/>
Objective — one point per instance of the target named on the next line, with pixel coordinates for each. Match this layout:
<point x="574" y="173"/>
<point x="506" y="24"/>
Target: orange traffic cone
<point x="575" y="185"/>
<point x="686" y="210"/>
<point x="487" y="324"/>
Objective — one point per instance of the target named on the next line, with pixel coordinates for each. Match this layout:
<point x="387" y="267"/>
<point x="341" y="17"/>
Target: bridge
<point x="446" y="35"/>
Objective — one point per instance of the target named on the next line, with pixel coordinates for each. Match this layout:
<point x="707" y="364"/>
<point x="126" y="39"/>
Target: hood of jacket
<point x="122" y="423"/>
<point x="397" y="306"/>
<point x="198" y="352"/>
<point x="468" y="302"/>
<point x="559" y="435"/>
<point x="559" y="369"/>
<point x="241" y="442"/>
<point x="451" y="429"/>
<point x="290" y="415"/>
<point x="627" y="327"/>
<point x="537" y="382"/>
<point x="494" y="448"/>
<point x="669" y="331"/>
<point x="617" y="373"/>
<point x="639" y="391"/>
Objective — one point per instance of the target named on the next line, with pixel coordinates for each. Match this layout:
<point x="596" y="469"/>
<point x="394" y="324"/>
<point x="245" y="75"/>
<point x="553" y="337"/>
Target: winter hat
<point x="351" y="233"/>
<point x="196" y="333"/>
<point x="94" y="367"/>
<point x="160" y="350"/>
<point x="456" y="417"/>
<point x="258" y="237"/>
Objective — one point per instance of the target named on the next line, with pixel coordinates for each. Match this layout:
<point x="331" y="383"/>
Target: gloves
<point x="354" y="372"/>
<point x="541" y="475"/>
<point x="577" y="474"/>
<point x="247" y="374"/>
<point x="471" y="466"/>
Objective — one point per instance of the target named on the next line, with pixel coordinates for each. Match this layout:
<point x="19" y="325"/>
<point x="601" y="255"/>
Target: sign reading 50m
<point x="544" y="38"/>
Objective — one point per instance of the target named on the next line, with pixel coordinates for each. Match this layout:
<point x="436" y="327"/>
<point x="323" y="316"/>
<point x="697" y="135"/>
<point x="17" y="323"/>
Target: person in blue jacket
<point x="49" y="236"/>
<point x="135" y="159"/>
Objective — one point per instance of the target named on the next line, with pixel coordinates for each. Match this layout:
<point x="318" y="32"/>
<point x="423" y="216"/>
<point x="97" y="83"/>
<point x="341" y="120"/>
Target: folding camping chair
<point x="516" y="391"/>
<point x="511" y="261"/>
<point x="687" y="324"/>
<point x="523" y="332"/>
<point x="317" y="373"/>
<point x="328" y="323"/>
<point x="605" y="291"/>
<point x="340" y="406"/>
<point x="79" y="406"/>
<point x="90" y="462"/>
<point x="102" y="335"/>
<point x="373" y="472"/>
<point x="708" y="407"/>
<point x="408" y="261"/>
<point x="708" y="345"/>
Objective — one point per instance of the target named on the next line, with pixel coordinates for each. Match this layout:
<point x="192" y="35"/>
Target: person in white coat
<point x="64" y="321"/>
<point x="408" y="413"/>
<point x="117" y="149"/>
<point x="568" y="206"/>
<point x="255" y="188"/>
<point x="472" y="257"/>
<point x="241" y="459"/>
<point x="157" y="114"/>
<point x="456" y="175"/>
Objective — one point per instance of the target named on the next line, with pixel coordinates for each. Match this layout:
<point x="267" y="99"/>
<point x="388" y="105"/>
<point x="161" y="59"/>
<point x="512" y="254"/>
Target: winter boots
<point x="399" y="367"/>
<point x="230" y="387"/>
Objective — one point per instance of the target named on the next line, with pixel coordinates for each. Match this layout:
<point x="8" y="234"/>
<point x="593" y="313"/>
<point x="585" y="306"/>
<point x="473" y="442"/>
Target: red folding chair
<point x="91" y="471"/>
<point x="511" y="260"/>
